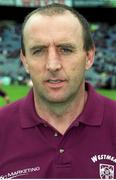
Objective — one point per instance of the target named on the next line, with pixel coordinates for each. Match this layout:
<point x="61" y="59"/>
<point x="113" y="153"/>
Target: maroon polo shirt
<point x="31" y="148"/>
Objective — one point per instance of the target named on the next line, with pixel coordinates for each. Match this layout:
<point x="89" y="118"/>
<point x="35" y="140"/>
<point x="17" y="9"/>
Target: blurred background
<point x="101" y="15"/>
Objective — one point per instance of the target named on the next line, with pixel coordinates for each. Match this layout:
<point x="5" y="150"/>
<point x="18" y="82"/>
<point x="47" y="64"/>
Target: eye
<point x="65" y="50"/>
<point x="38" y="51"/>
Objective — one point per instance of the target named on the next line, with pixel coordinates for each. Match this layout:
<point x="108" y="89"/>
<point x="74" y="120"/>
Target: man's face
<point x="55" y="56"/>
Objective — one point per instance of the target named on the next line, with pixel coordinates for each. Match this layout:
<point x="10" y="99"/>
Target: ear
<point x="90" y="58"/>
<point x="24" y="61"/>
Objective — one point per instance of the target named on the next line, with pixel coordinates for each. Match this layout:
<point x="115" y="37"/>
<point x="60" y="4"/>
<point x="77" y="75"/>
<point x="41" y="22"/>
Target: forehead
<point x="55" y="26"/>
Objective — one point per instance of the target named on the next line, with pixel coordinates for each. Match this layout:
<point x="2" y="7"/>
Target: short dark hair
<point x="55" y="9"/>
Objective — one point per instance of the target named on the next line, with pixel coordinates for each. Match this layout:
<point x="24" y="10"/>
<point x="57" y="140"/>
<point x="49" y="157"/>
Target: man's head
<point x="57" y="48"/>
<point x="60" y="9"/>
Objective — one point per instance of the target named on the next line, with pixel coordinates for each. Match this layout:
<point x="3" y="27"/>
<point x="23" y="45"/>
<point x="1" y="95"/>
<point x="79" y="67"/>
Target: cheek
<point x="35" y="72"/>
<point x="80" y="67"/>
<point x="76" y="68"/>
<point x="35" y="67"/>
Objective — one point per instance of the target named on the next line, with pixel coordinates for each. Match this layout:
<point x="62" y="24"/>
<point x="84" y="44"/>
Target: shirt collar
<point x="94" y="108"/>
<point x="91" y="115"/>
<point x="28" y="116"/>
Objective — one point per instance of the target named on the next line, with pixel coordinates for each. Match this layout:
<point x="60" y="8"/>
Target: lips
<point x="55" y="83"/>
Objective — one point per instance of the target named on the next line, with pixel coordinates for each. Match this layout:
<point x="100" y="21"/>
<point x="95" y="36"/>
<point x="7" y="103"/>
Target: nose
<point x="53" y="60"/>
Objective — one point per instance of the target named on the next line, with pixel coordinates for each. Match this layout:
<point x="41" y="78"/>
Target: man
<point x="63" y="128"/>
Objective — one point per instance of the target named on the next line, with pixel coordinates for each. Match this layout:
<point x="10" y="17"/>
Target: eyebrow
<point x="61" y="45"/>
<point x="37" y="47"/>
<point x="68" y="45"/>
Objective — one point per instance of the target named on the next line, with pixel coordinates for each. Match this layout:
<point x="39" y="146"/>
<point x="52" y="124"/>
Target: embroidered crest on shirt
<point x="101" y="157"/>
<point x="106" y="167"/>
<point x="106" y="171"/>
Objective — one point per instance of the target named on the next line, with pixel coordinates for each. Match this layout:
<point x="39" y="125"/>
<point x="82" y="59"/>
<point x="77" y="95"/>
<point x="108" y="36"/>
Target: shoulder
<point x="10" y="112"/>
<point x="109" y="118"/>
<point x="12" y="107"/>
<point x="109" y="110"/>
<point x="109" y="104"/>
<point x="100" y="103"/>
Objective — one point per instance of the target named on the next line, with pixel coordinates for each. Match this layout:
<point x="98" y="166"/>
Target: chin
<point x="57" y="99"/>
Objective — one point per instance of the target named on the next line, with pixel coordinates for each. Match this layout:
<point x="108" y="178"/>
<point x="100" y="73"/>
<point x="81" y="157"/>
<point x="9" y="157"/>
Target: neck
<point x="61" y="114"/>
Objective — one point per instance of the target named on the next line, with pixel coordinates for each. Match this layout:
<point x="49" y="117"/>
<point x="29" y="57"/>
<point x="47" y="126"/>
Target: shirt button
<point x="55" y="134"/>
<point x="61" y="151"/>
<point x="45" y="125"/>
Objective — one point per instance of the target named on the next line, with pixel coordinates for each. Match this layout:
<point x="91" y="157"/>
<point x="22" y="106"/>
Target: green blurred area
<point x="14" y="92"/>
<point x="18" y="91"/>
<point x="108" y="93"/>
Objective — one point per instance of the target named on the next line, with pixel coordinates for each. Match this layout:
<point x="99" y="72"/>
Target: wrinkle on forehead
<point x="61" y="18"/>
<point x="44" y="28"/>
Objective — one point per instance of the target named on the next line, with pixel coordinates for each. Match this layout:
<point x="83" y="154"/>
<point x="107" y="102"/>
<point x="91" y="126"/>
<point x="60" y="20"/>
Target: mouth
<point x="55" y="83"/>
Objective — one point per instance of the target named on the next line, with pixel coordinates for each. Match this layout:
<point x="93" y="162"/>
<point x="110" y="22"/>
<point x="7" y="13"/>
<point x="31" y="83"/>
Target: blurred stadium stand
<point x="101" y="15"/>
